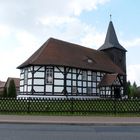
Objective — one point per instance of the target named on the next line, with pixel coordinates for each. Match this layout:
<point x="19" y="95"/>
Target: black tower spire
<point x="113" y="49"/>
<point x="111" y="40"/>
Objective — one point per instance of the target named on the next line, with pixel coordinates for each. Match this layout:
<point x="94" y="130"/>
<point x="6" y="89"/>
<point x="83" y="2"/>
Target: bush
<point x="12" y="89"/>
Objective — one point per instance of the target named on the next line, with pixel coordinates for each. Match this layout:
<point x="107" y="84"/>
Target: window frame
<point x="49" y="76"/>
<point x="26" y="76"/>
<point x="84" y="75"/>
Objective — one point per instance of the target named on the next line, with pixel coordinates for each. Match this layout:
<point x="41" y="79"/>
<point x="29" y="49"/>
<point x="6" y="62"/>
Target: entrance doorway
<point x="117" y="93"/>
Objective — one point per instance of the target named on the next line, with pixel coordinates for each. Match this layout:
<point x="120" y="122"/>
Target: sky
<point x="26" y="24"/>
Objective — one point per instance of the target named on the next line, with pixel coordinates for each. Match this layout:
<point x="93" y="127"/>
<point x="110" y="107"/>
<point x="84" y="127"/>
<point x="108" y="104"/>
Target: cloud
<point x="26" y="44"/>
<point x="132" y="42"/>
<point x="78" y="6"/>
<point x="133" y="73"/>
<point x="93" y="39"/>
<point x="26" y="24"/>
<point x="24" y="13"/>
<point x="55" y="20"/>
<point x="4" y="31"/>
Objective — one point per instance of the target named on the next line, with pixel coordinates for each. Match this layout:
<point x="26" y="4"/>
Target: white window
<point x="90" y="61"/>
<point x="25" y="76"/>
<point x="94" y="76"/>
<point x="84" y="75"/>
<point x="49" y="76"/>
<point x="89" y="90"/>
<point x="74" y="90"/>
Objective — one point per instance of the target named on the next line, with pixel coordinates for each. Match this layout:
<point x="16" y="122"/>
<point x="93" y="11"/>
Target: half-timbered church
<point x="60" y="68"/>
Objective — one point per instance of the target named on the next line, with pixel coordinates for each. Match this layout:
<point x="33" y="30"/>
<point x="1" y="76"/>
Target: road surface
<point x="68" y="132"/>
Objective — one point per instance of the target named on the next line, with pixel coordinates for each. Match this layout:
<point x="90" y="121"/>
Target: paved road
<point x="67" y="132"/>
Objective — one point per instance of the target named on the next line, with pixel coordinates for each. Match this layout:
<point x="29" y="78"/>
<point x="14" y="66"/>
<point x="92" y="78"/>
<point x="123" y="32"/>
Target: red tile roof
<point x="2" y="84"/>
<point x="58" y="52"/>
<point x="108" y="80"/>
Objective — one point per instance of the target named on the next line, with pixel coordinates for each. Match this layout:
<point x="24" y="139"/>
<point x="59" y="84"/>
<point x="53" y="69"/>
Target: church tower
<point x="113" y="49"/>
<point x="116" y="52"/>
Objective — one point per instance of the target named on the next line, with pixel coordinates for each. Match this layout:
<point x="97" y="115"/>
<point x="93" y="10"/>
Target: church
<point x="63" y="69"/>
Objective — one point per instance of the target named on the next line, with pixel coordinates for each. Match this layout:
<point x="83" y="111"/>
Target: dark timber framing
<point x="60" y="68"/>
<point x="70" y="81"/>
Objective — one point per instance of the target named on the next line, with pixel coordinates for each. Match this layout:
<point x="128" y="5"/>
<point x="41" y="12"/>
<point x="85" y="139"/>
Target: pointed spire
<point x="111" y="39"/>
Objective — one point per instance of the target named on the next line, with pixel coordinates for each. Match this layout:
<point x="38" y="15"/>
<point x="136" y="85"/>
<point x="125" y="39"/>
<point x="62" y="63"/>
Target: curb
<point x="70" y="120"/>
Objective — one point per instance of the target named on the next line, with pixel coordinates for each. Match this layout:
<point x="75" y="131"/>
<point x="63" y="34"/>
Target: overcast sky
<point x="26" y="24"/>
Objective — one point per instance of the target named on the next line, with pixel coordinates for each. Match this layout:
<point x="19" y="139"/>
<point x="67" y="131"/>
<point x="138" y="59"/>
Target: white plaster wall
<point x="84" y="90"/>
<point x="39" y="74"/>
<point x="98" y="79"/>
<point x="21" y="82"/>
<point x="79" y="83"/>
<point x="69" y="82"/>
<point x="89" y="84"/>
<point x="58" y="89"/>
<point x="37" y="67"/>
<point x="80" y="77"/>
<point x="22" y="76"/>
<point x="39" y="88"/>
<point x="69" y="89"/>
<point x="89" y="72"/>
<point x="29" y="88"/>
<point x="58" y="75"/>
<point x="94" y="84"/>
<point x="48" y="88"/>
<point x="58" y="82"/>
<point x="38" y="81"/>
<point x="68" y="76"/>
<point x="98" y="90"/>
<point x="21" y="89"/>
<point x="84" y="84"/>
<point x="80" y="90"/>
<point x="25" y="88"/>
<point x="61" y="68"/>
<point x="89" y="78"/>
<point x="29" y="81"/>
<point x="94" y="90"/>
<point x="98" y="73"/>
<point x="74" y="83"/>
<point x="74" y="76"/>
<point x="42" y="69"/>
<point x="29" y="75"/>
<point x="74" y="70"/>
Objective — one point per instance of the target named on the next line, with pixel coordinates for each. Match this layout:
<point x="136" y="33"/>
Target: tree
<point x="12" y="89"/>
<point x="5" y="92"/>
<point x="132" y="90"/>
<point x="129" y="89"/>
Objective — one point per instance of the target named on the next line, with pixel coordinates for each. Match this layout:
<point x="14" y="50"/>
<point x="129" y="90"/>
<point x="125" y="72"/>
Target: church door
<point x="117" y="93"/>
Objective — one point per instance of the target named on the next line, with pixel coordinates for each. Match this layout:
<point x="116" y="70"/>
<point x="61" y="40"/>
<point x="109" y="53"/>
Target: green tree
<point x="5" y="92"/>
<point x="132" y="90"/>
<point x="129" y="91"/>
<point x="12" y="89"/>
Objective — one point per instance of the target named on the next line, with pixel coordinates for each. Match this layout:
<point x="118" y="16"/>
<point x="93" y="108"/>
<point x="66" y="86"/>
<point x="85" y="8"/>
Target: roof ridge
<point x="71" y="43"/>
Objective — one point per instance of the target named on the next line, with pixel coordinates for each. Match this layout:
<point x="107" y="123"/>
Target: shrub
<point x="12" y="89"/>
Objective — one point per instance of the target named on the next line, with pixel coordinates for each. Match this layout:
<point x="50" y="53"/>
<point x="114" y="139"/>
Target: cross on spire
<point x="110" y="17"/>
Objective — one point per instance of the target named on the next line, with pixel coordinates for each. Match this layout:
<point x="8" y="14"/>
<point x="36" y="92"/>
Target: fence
<point x="69" y="106"/>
